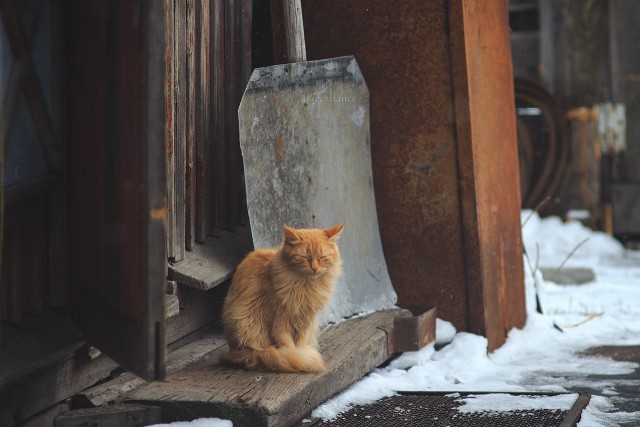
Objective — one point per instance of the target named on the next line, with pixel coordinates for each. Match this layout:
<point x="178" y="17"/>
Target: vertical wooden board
<point x="117" y="183"/>
<point x="173" y="251"/>
<point x="192" y="43"/>
<point x="203" y="122"/>
<point x="180" y="123"/>
<point x="58" y="229"/>
<point x="218" y="149"/>
<point x="488" y="167"/>
<point x="231" y="112"/>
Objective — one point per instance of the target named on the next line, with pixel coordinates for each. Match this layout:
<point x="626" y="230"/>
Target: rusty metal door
<point x="117" y="178"/>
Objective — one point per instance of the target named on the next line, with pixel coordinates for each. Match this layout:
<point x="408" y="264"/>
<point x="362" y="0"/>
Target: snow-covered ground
<point x="539" y="357"/>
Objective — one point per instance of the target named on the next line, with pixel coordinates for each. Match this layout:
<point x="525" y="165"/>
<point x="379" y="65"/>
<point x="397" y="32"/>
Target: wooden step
<point x="206" y="388"/>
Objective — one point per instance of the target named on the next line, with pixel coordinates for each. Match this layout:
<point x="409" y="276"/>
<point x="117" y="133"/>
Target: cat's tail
<point x="283" y="359"/>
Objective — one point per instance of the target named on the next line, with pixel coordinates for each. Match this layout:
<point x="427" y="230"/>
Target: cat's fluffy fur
<point x="270" y="314"/>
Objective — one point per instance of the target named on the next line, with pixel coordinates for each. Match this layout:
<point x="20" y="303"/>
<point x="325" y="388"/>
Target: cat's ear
<point x="334" y="232"/>
<point x="291" y="235"/>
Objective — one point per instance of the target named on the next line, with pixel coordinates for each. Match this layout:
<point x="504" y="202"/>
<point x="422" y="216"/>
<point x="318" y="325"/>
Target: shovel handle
<point x="293" y="30"/>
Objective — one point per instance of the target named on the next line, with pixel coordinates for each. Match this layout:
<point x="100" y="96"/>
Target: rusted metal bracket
<point x="411" y="333"/>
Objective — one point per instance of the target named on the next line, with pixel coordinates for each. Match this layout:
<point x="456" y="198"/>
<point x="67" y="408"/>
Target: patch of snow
<point x="494" y="402"/>
<point x="200" y="422"/>
<point x="445" y="332"/>
<point x="600" y="413"/>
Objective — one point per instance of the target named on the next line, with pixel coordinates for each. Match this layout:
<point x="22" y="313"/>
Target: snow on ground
<point x="200" y="422"/>
<point x="539" y="357"/>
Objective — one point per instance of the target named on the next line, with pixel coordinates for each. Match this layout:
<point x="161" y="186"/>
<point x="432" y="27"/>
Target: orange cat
<point x="270" y="314"/>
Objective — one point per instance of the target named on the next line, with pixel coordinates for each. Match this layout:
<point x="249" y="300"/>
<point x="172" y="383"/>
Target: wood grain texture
<point x="180" y="124"/>
<point x="192" y="50"/>
<point x="351" y="349"/>
<point x="218" y="137"/>
<point x="231" y="102"/>
<point x="171" y="228"/>
<point x="43" y="388"/>
<point x="213" y="262"/>
<point x="110" y="416"/>
<point x="294" y="30"/>
<point x="115" y="390"/>
<point x="203" y="122"/>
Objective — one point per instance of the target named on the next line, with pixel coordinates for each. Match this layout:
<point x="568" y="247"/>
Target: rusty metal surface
<point x="443" y="147"/>
<point x="411" y="333"/>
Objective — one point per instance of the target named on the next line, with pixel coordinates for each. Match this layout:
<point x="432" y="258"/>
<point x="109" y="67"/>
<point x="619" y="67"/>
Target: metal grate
<point x="437" y="411"/>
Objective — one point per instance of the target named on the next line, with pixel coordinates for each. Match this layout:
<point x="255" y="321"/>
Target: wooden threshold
<point x="211" y="263"/>
<point x="206" y="388"/>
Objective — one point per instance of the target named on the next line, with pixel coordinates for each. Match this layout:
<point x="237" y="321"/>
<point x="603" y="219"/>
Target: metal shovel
<point x="304" y="135"/>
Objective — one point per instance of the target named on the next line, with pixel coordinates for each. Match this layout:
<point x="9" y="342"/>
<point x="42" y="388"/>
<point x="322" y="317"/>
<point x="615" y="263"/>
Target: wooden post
<point x="444" y="150"/>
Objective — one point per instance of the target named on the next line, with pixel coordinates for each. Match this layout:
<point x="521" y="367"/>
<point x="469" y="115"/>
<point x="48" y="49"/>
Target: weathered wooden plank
<point x="47" y="417"/>
<point x="203" y="122"/>
<point x="172" y="306"/>
<point x="180" y="124"/>
<point x="58" y="227"/>
<point x="110" y="416"/>
<point x="218" y="155"/>
<point x="169" y="46"/>
<point x="115" y="390"/>
<point x="117" y="238"/>
<point x="213" y="262"/>
<point x="192" y="51"/>
<point x="575" y="412"/>
<point x="351" y="349"/>
<point x="231" y="112"/>
<point x="45" y="387"/>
